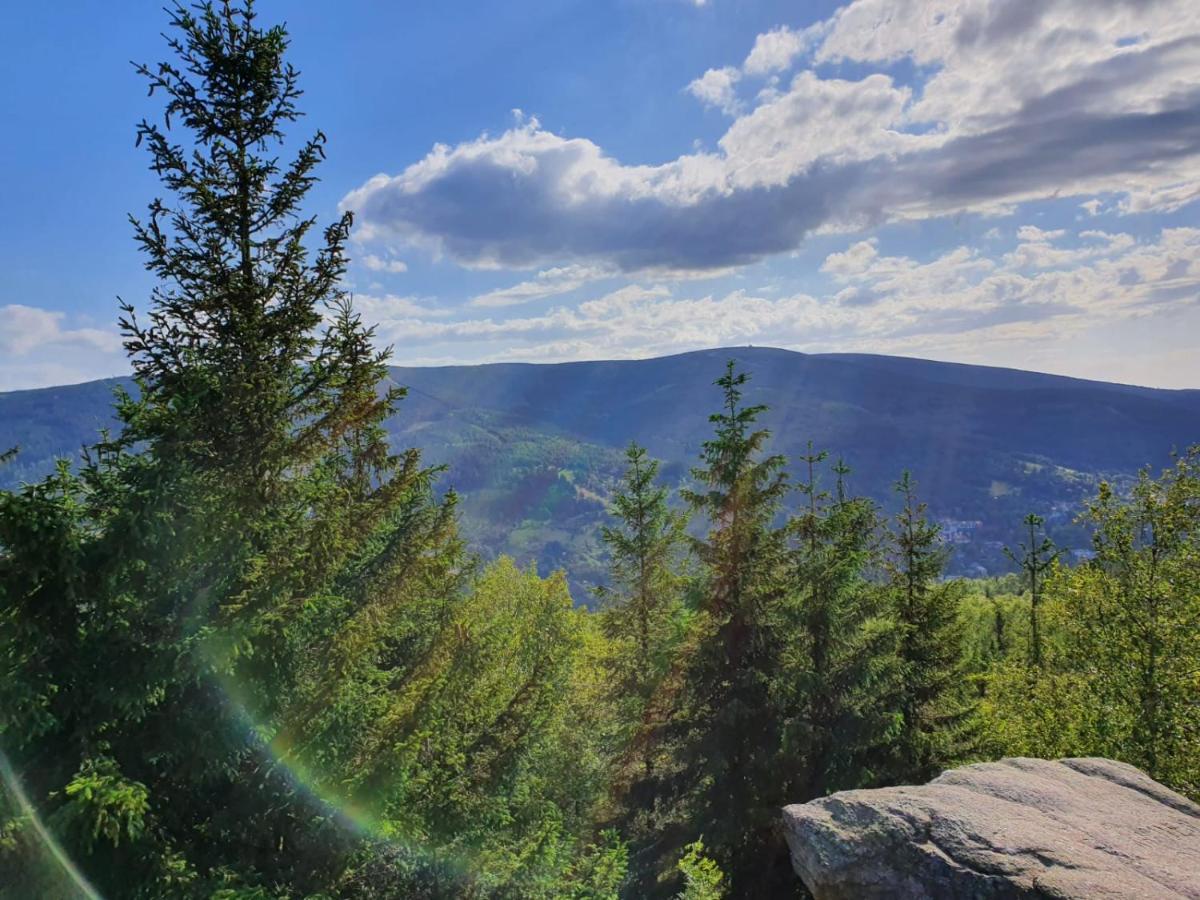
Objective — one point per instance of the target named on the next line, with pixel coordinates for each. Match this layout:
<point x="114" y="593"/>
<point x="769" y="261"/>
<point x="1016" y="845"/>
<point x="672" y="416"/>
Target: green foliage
<point x="702" y="877"/>
<point x="641" y="611"/>
<point x="644" y="545"/>
<point x="995" y="629"/>
<point x="105" y="803"/>
<point x="837" y="681"/>
<point x="932" y="706"/>
<point x="602" y="870"/>
<point x="1121" y="661"/>
<point x="721" y="783"/>
<point x="1037" y="557"/>
<point x="246" y="617"/>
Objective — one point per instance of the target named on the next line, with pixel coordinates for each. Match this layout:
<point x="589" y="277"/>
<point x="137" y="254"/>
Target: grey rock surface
<point x="1072" y="828"/>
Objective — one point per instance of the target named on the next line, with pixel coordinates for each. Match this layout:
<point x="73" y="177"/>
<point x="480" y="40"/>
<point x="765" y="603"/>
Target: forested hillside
<point x="246" y="653"/>
<point x="535" y="450"/>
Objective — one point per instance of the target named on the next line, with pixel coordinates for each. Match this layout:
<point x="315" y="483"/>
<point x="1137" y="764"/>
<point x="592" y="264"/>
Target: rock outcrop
<point x="1075" y="828"/>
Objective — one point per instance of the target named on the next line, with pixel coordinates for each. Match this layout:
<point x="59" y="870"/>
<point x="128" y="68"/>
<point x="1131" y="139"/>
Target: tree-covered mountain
<point x="535" y="450"/>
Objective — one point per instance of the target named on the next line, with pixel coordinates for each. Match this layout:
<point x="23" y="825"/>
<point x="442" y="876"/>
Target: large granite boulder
<point x="1075" y="828"/>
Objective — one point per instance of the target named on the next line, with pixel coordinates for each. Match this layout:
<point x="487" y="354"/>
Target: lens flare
<point x="69" y="875"/>
<point x="321" y="788"/>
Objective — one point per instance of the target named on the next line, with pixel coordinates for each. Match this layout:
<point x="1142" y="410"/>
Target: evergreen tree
<point x="642" y="616"/>
<point x="727" y="733"/>
<point x="840" y="668"/>
<point x="1000" y="639"/>
<point x="702" y="878"/>
<point x="213" y="632"/>
<point x="925" y="607"/>
<point x="1036" y="559"/>
<point x="641" y="605"/>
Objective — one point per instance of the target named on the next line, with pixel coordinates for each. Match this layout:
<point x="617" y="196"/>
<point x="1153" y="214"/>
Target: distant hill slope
<point x="535" y="449"/>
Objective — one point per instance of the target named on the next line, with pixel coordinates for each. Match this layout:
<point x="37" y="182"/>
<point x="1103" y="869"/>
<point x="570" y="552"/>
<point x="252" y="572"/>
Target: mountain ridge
<point x="534" y="448"/>
<point x="709" y="351"/>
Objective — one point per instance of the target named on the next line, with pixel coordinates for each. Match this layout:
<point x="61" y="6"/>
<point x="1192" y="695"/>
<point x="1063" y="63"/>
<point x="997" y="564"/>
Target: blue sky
<point x="993" y="182"/>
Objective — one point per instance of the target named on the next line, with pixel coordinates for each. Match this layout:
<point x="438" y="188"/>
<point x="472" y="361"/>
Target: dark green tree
<point x="840" y="666"/>
<point x="164" y="606"/>
<point x="931" y="703"/>
<point x="1036" y="559"/>
<point x="726" y="731"/>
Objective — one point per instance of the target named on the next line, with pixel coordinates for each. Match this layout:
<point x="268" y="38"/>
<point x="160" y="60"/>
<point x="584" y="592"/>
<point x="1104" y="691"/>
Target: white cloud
<point x="827" y="120"/>
<point x="1033" y="233"/>
<point x="775" y="50"/>
<point x="959" y="305"/>
<point x="38" y="348"/>
<point x="379" y="264"/>
<point x="853" y="261"/>
<point x="547" y="283"/>
<point x="391" y="307"/>
<point x="25" y="329"/>
<point x="716" y="88"/>
<point x="1013" y="102"/>
<point x="995" y="59"/>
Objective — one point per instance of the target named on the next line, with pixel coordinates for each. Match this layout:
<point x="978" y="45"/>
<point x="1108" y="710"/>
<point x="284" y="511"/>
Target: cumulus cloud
<point x="716" y="87"/>
<point x="1019" y="101"/>
<point x="547" y="283"/>
<point x="380" y="264"/>
<point x="776" y="50"/>
<point x="852" y="261"/>
<point x="39" y="348"/>
<point x="773" y="52"/>
<point x="960" y="304"/>
<point x="1033" y="233"/>
<point x="24" y="329"/>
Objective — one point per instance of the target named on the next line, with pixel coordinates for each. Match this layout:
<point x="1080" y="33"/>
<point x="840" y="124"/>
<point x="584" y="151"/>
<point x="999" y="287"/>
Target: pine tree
<point x="245" y="615"/>
<point x="840" y="669"/>
<point x="727" y="731"/>
<point x="925" y="607"/>
<point x="1036" y="559"/>
<point x="169" y="603"/>
<point x="644" y="545"/>
<point x="642" y="604"/>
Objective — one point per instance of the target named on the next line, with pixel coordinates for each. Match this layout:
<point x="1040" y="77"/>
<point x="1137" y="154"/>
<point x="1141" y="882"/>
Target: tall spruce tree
<point x="167" y="604"/>
<point x="641" y="606"/>
<point x="245" y="615"/>
<point x="727" y="731"/>
<point x="930" y="700"/>
<point x="1036" y="559"/>
<point x="840" y="664"/>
